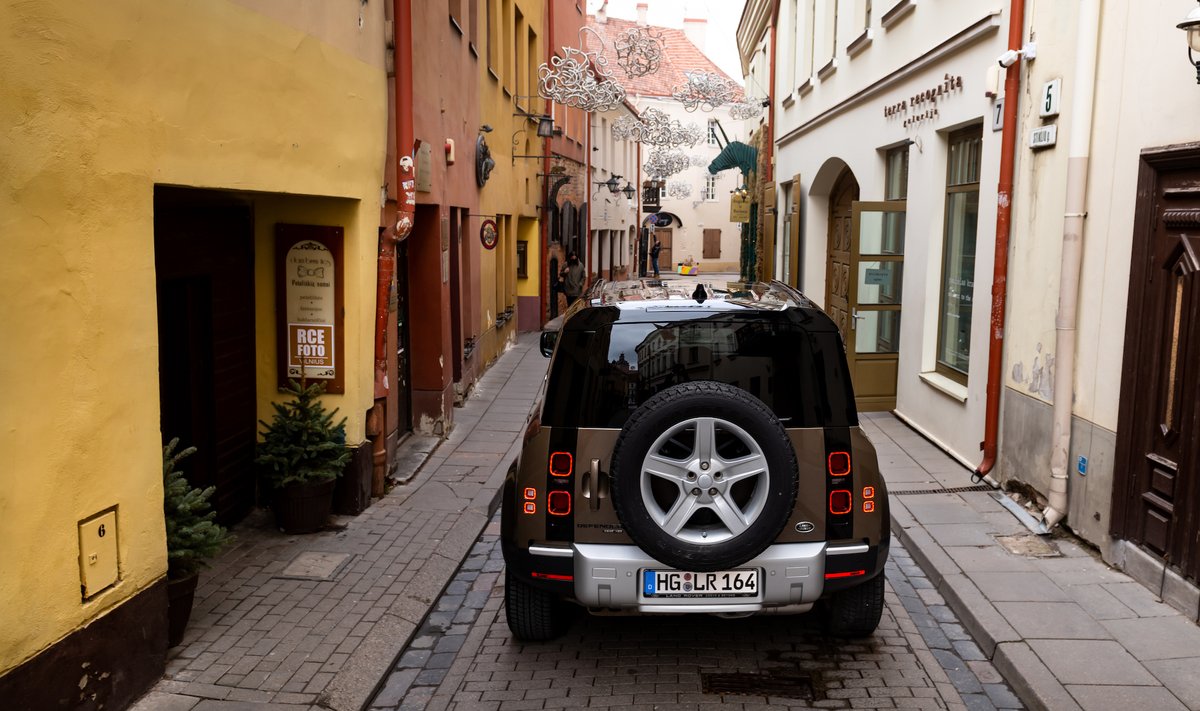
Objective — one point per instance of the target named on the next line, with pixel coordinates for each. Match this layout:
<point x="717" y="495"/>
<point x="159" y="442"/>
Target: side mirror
<point x="549" y="338"/>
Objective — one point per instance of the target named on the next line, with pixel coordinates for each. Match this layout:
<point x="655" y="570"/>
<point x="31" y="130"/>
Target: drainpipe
<point x="1008" y="145"/>
<point x="1072" y="256"/>
<point x="544" y="287"/>
<point x="405" y="211"/>
<point x="769" y="143"/>
<point x="587" y="188"/>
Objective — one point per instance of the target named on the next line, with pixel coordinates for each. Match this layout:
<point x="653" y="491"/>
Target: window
<point x="520" y="58"/>
<point x="456" y="15"/>
<point x="783" y="270"/>
<point x="958" y="253"/>
<point x="810" y="43"/>
<point x="710" y="188"/>
<point x="793" y="30"/>
<point x="896" y="182"/>
<point x="712" y="132"/>
<point x="862" y="14"/>
<point x="473" y="12"/>
<point x="522" y="259"/>
<point x="491" y="7"/>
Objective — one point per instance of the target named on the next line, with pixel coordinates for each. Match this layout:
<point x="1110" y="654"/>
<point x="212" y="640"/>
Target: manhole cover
<point x="1028" y="546"/>
<point x="785" y="686"/>
<point x="315" y="565"/>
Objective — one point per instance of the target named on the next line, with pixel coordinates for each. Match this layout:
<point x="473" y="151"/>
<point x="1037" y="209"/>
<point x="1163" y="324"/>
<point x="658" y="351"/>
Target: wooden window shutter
<point x="712" y="244"/>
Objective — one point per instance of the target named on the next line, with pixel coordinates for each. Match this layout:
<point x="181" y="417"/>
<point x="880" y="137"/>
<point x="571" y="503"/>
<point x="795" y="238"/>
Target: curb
<point x="1029" y="678"/>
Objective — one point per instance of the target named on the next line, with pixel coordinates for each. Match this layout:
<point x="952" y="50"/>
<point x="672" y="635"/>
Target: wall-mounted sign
<point x="488" y="235"/>
<point x="1044" y="137"/>
<point x="739" y="208"/>
<point x="922" y="106"/>
<point x="309" y="304"/>
<point x="998" y="115"/>
<point x="1051" y="91"/>
<point x="424" y="168"/>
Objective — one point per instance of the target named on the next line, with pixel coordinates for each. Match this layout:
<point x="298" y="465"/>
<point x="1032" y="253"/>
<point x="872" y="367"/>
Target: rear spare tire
<point x="703" y="476"/>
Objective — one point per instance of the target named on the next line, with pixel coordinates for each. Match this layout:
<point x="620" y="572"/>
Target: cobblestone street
<point x="465" y="658"/>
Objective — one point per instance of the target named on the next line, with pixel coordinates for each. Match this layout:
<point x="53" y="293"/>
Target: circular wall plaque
<point x="488" y="234"/>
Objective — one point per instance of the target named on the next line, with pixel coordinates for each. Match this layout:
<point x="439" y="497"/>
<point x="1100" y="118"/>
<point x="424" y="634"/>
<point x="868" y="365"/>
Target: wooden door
<point x="712" y="243"/>
<point x="204" y="264"/>
<point x="1156" y="494"/>
<point x="665" y="265"/>
<point x="837" y="264"/>
<point x="403" y="388"/>
<point x="876" y="268"/>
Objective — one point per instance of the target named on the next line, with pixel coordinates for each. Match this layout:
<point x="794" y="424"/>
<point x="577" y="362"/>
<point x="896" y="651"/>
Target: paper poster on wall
<point x="309" y="307"/>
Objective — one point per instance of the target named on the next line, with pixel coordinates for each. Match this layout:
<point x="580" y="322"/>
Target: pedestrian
<point x="654" y="251"/>
<point x="572" y="278"/>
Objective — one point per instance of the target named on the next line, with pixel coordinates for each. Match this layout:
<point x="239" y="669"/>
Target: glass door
<point x="876" y="283"/>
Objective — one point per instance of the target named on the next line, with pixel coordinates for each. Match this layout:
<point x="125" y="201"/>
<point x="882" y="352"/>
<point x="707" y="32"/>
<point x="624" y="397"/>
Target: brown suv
<point x="695" y="450"/>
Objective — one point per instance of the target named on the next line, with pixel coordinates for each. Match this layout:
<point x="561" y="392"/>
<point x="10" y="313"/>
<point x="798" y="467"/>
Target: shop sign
<point x="922" y="106"/>
<point x="309" y="288"/>
<point x="739" y="208"/>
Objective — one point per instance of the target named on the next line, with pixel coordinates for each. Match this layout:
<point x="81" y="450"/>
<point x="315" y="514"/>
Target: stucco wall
<point x="101" y="102"/>
<point x="840" y="122"/>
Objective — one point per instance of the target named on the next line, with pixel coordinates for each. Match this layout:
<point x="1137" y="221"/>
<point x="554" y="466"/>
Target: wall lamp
<point x="1191" y="25"/>
<point x="545" y="124"/>
<point x="612" y="184"/>
<point x="629" y="190"/>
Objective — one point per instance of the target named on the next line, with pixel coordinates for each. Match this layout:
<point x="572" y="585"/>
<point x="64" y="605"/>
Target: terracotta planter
<point x="180" y="595"/>
<point x="303" y="508"/>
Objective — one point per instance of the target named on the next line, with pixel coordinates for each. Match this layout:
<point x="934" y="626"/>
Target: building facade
<point x="614" y="180"/>
<point x="161" y="189"/>
<point x="693" y="223"/>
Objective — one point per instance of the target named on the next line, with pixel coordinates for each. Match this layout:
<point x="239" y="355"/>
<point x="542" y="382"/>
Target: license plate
<point x="678" y="583"/>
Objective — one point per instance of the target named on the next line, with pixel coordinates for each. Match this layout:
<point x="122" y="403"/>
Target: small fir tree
<point x="302" y="445"/>
<point x="192" y="535"/>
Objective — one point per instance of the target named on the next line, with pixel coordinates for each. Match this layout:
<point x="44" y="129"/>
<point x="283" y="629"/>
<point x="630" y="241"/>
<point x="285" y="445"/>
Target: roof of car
<point x="693" y="293"/>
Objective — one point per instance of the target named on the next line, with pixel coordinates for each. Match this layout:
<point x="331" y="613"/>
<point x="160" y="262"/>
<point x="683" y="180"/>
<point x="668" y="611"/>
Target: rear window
<point x="598" y="378"/>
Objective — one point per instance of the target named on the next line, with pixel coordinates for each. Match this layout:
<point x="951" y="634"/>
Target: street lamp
<point x="612" y="184"/>
<point x="1191" y="25"/>
<point x="629" y="190"/>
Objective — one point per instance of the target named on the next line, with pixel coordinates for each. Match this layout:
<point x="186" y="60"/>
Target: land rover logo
<point x="805" y="527"/>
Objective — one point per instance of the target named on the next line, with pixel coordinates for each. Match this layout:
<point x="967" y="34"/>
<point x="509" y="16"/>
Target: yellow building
<point x="156" y="156"/>
<point x="512" y="50"/>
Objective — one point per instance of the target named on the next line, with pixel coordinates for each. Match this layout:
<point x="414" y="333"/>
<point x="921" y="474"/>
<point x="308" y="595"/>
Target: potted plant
<point x="301" y="456"/>
<point x="192" y="538"/>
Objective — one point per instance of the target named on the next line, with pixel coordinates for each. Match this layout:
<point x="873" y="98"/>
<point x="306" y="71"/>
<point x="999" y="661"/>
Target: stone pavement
<point x="1066" y="630"/>
<point x="289" y="622"/>
<point x="465" y="658"/>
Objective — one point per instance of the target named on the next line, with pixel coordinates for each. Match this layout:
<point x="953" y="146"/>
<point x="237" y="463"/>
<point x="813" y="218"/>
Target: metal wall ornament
<point x="699" y="161"/>
<point x="569" y="79"/>
<point x="655" y="128"/>
<point x="639" y="51"/>
<point x="745" y="110"/>
<point x="664" y="162"/>
<point x="679" y="190"/>
<point x="704" y="91"/>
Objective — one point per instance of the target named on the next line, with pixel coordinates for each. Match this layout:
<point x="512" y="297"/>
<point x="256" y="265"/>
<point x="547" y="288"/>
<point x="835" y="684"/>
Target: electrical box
<point x="98" y="553"/>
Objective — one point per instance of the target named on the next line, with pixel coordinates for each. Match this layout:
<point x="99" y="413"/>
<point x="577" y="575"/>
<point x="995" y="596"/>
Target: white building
<point x="695" y="221"/>
<point x="613" y="202"/>
<point x="887" y="138"/>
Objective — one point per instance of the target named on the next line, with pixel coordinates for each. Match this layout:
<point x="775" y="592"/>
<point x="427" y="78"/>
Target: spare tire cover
<point x="703" y="476"/>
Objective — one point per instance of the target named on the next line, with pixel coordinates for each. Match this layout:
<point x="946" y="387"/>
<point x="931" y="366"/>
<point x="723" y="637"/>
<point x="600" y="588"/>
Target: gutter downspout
<point x="1008" y="144"/>
<point x="1072" y="256"/>
<point x="587" y="188"/>
<point x="544" y="287"/>
<point x="769" y="143"/>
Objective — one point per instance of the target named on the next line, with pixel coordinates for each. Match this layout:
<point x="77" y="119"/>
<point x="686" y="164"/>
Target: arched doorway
<point x="837" y="260"/>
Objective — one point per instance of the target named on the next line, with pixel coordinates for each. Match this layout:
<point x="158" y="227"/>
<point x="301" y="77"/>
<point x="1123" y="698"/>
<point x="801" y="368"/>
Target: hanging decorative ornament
<point x="580" y="78"/>
<point x="679" y="190"/>
<point x="639" y="51"/>
<point x="705" y="91"/>
<point x="655" y="128"/>
<point x="745" y="110"/>
<point x="664" y="162"/>
<point x="699" y="161"/>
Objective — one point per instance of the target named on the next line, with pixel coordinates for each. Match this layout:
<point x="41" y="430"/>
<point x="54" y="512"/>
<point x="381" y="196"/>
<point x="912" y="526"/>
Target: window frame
<point x="889" y="154"/>
<point x="961" y="135"/>
<point x="710" y="189"/>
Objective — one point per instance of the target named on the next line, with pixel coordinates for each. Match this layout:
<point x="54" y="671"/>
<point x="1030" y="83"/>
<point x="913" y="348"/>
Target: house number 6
<point x="101" y="531"/>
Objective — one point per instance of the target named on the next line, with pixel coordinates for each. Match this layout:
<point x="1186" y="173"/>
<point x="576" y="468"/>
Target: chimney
<point x="602" y="13"/>
<point x="695" y="28"/>
<point x="642" y="8"/>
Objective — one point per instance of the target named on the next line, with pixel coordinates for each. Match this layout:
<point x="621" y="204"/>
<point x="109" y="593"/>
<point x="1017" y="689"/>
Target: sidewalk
<point x="1067" y="631"/>
<point x="317" y="621"/>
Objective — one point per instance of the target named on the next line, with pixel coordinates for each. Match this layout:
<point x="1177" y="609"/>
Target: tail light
<point x="558" y="503"/>
<point x="530" y="507"/>
<point x="562" y="463"/>
<point x="841" y="501"/>
<point x="530" y="493"/>
<point x="839" y="463"/>
<point x="868" y="492"/>
<point x="868" y="507"/>
<point x="845" y="574"/>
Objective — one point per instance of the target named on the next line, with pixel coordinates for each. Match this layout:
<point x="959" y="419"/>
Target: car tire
<point x="534" y="615"/>
<point x="855" y="612"/>
<point x="751" y="425"/>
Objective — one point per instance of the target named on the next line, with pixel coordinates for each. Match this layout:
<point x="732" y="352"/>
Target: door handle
<point x="594" y="486"/>
<point x="855" y="317"/>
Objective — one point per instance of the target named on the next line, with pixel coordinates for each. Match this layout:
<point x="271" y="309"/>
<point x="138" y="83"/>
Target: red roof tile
<point x="679" y="56"/>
